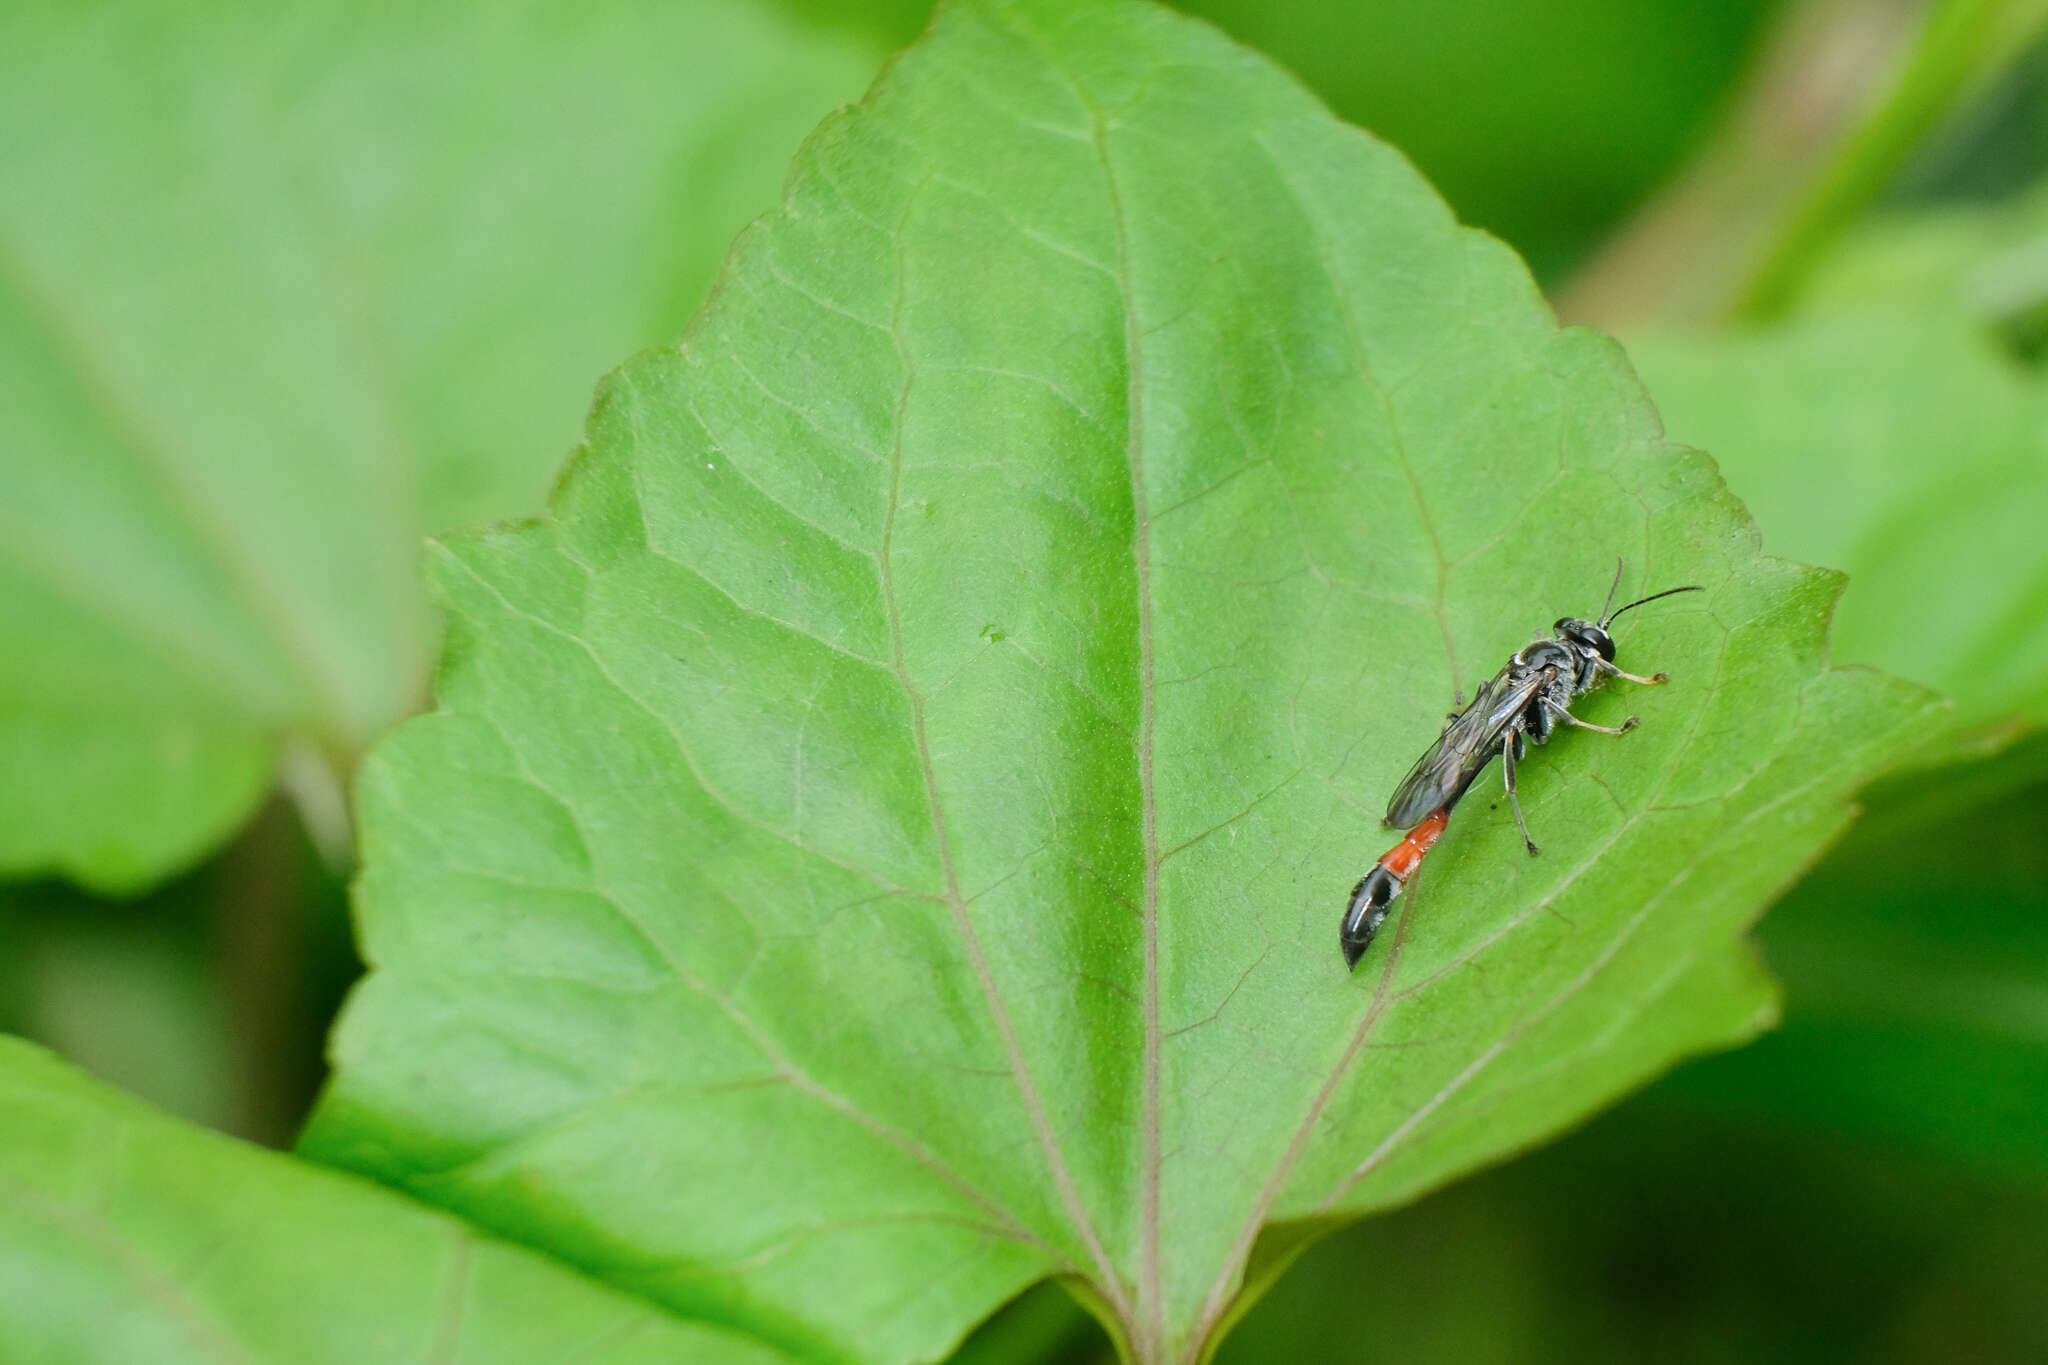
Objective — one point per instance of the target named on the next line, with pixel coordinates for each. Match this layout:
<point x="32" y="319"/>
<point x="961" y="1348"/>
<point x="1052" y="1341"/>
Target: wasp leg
<point x="1507" y="759"/>
<point x="1651" y="681"/>
<point x="1568" y="718"/>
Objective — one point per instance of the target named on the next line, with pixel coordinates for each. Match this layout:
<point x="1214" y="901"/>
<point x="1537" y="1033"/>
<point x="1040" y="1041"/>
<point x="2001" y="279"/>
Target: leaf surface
<point x="129" y="1236"/>
<point x="882" y="837"/>
<point x="281" y="290"/>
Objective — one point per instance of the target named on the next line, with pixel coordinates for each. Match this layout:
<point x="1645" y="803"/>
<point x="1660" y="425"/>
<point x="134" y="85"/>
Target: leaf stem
<point x="260" y="943"/>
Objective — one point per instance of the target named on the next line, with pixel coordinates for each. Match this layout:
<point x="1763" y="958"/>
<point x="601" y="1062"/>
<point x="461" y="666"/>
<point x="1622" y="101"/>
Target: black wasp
<point x="1524" y="702"/>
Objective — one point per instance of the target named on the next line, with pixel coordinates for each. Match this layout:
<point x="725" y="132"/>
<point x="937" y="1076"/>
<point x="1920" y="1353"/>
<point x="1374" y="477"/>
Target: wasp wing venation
<point x="1465" y="747"/>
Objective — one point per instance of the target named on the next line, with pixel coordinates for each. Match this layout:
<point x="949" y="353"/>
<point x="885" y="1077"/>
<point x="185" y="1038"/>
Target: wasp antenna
<point x="1612" y="588"/>
<point x="1690" y="587"/>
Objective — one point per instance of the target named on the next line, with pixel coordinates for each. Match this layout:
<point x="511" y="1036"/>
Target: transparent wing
<point x="1467" y="745"/>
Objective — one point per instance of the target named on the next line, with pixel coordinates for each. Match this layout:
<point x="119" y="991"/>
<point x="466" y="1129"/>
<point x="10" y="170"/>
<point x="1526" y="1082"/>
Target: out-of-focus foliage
<point x="1895" y="425"/>
<point x="1668" y="1234"/>
<point x="285" y="288"/>
<point x="1984" y="263"/>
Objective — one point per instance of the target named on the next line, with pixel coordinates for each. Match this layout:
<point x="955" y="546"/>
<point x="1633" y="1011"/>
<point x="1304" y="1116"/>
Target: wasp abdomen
<point x="1375" y="892"/>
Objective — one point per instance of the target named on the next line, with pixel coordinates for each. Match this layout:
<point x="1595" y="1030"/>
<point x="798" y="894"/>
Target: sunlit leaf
<point x="882" y="837"/>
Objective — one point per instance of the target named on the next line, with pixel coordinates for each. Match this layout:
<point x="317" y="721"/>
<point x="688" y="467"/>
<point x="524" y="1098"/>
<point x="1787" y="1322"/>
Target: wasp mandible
<point x="1522" y="703"/>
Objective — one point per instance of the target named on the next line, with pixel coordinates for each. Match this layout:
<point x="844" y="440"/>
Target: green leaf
<point x="129" y="1236"/>
<point x="280" y="290"/>
<point x="1897" y="443"/>
<point x="754" y="927"/>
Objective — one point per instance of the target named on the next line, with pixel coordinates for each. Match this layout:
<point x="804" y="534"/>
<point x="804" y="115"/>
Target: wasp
<point x="1520" y="705"/>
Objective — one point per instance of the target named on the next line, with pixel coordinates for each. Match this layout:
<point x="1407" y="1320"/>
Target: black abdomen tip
<point x="1366" y="912"/>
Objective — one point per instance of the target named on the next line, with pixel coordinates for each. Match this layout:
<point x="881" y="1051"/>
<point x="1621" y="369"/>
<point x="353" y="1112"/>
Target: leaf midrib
<point x="1151" y="1326"/>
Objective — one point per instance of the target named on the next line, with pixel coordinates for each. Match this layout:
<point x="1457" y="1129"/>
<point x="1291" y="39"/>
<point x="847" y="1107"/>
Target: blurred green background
<point x="1815" y="224"/>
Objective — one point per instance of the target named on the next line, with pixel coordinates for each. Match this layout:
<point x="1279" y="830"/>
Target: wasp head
<point x="1585" y="636"/>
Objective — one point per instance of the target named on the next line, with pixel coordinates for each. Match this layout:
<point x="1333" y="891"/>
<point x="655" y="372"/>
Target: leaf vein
<point x="1150" y="1328"/>
<point x="956" y="903"/>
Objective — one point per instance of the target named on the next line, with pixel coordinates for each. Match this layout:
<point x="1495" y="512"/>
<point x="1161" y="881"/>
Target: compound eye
<point x="1579" y="633"/>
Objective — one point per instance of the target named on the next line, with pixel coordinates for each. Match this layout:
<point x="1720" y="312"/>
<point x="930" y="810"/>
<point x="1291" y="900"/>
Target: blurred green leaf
<point x="129" y="1236"/>
<point x="1841" y="97"/>
<point x="1900" y="445"/>
<point x="883" y="836"/>
<point x="283" y="288"/>
<point x="1959" y="48"/>
<point x="1983" y="261"/>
